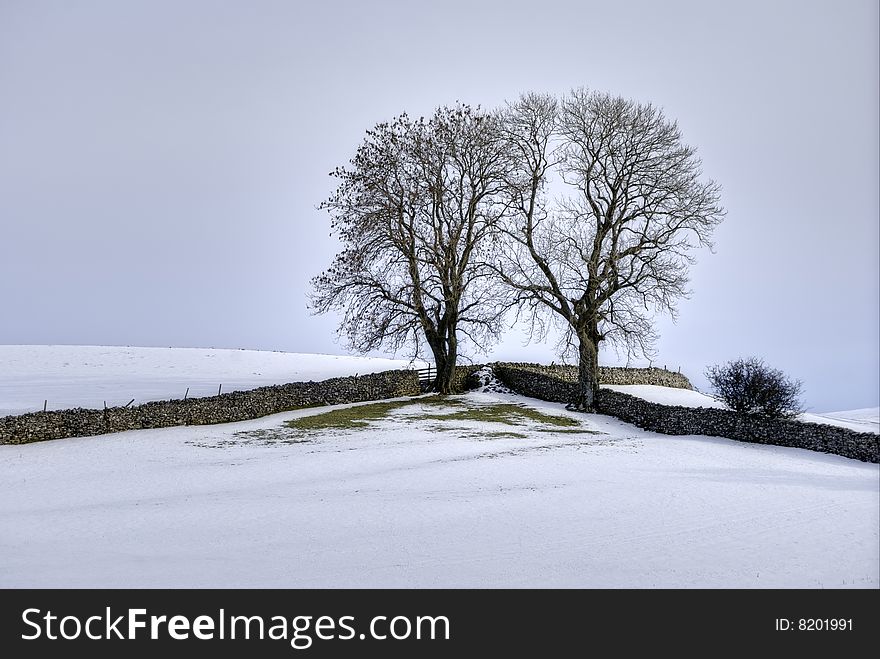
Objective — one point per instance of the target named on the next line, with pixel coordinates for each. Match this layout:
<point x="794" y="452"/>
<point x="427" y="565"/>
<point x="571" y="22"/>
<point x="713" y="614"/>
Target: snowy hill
<point x="666" y="395"/>
<point x="864" y="420"/>
<point x="424" y="495"/>
<point x="406" y="502"/>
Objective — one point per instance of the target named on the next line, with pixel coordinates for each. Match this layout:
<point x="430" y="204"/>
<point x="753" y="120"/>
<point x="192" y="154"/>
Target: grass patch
<point x="569" y="431"/>
<point x="506" y="413"/>
<point x="498" y="434"/>
<point x="444" y="414"/>
<point x="347" y="418"/>
<point x="453" y="409"/>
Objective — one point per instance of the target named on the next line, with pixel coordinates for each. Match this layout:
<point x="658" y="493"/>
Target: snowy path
<point x="402" y="504"/>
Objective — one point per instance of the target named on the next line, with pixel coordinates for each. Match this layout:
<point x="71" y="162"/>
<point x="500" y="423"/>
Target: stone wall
<point x="675" y="420"/>
<point x="656" y="376"/>
<point x="464" y="378"/>
<point x="610" y="374"/>
<point x="540" y="383"/>
<point x="559" y="383"/>
<point x="234" y="406"/>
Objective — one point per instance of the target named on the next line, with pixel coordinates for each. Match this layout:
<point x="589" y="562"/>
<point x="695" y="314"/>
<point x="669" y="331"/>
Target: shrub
<point x="751" y="387"/>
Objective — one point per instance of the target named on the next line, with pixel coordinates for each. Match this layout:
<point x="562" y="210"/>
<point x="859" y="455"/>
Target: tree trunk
<point x="445" y="373"/>
<point x="445" y="359"/>
<point x="439" y="366"/>
<point x="444" y="363"/>
<point x="588" y="374"/>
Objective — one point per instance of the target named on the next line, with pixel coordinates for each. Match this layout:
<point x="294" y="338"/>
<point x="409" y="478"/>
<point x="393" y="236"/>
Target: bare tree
<point x="415" y="212"/>
<point x="616" y="248"/>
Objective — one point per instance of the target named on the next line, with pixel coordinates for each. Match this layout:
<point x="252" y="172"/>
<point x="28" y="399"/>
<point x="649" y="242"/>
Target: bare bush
<point x="751" y="387"/>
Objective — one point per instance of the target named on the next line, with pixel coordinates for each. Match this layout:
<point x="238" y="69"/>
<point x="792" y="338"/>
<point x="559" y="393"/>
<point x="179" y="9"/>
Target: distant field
<point x="86" y="376"/>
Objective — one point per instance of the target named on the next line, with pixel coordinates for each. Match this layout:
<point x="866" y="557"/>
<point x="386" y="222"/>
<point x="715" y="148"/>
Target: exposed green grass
<point x="506" y="413"/>
<point x="347" y="418"/>
<point x="450" y="410"/>
<point x="568" y="431"/>
<point x="497" y="434"/>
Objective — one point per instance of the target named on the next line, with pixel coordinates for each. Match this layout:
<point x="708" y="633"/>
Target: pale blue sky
<point x="160" y="162"/>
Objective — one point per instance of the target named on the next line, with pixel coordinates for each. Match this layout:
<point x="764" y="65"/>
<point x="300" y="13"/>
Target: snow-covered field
<point x="666" y="395"/>
<point x="409" y="503"/>
<point x="89" y="376"/>
<point x="86" y="376"/>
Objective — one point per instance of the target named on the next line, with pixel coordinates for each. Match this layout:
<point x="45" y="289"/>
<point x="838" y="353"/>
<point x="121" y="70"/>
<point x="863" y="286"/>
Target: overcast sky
<point x="160" y="162"/>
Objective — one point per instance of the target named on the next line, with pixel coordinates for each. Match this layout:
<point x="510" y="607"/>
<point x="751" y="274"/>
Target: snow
<point x="867" y="414"/>
<point x="489" y="383"/>
<point x="862" y="420"/>
<point x="408" y="502"/>
<point x="666" y="395"/>
<point x="412" y="503"/>
<point x="86" y="376"/>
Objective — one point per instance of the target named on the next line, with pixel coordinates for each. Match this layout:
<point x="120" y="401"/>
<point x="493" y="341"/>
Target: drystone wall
<point x="465" y="377"/>
<point x="233" y="406"/>
<point x="608" y="374"/>
<point x="538" y="382"/>
<point x="676" y="420"/>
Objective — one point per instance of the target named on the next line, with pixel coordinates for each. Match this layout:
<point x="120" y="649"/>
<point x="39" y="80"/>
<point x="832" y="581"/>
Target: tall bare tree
<point x="616" y="248"/>
<point x="415" y="211"/>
